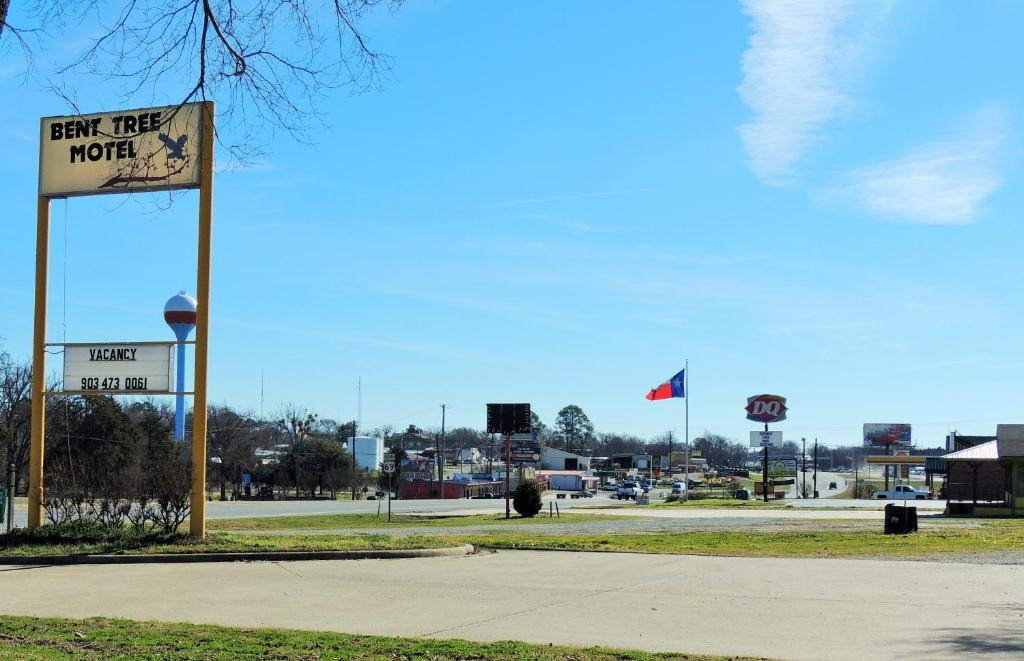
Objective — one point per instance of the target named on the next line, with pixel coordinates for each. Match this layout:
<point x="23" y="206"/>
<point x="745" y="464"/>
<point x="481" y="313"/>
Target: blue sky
<point x="561" y="202"/>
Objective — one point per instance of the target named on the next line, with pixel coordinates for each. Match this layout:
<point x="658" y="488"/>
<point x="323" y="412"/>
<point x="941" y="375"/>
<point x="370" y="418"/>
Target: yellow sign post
<point x="148" y="149"/>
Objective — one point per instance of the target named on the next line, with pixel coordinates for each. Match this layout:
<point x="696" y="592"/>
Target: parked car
<point x="611" y="486"/>
<point x="901" y="492"/>
<point x="628" y="491"/>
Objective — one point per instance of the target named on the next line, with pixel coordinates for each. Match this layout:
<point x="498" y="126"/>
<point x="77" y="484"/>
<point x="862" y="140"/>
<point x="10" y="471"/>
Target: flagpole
<point x="686" y="429"/>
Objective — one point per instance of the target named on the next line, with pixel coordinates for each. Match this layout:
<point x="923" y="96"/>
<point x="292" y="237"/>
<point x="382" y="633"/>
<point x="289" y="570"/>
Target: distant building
<point x="412" y="440"/>
<point x="569" y="480"/>
<point x="560" y="460"/>
<point x="988" y="479"/>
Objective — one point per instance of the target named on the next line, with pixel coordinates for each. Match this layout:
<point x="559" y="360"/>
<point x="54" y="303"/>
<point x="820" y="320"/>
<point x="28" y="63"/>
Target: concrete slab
<point x="796" y="609"/>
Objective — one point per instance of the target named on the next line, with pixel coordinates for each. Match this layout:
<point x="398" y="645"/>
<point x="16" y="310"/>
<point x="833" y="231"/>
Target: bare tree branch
<point x="267" y="63"/>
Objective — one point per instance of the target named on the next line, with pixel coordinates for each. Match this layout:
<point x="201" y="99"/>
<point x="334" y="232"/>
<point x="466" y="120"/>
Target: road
<point x="232" y="510"/>
<point x="784" y="608"/>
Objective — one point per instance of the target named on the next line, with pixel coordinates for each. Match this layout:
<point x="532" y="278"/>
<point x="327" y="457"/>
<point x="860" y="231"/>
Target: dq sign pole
<point x="149" y="149"/>
<point x="766" y="408"/>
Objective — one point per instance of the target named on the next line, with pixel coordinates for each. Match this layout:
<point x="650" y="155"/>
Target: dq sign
<point x="766" y="408"/>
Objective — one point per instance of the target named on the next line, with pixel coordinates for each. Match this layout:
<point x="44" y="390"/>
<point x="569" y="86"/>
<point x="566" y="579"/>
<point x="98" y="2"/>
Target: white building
<point x="554" y="459"/>
<point x="569" y="480"/>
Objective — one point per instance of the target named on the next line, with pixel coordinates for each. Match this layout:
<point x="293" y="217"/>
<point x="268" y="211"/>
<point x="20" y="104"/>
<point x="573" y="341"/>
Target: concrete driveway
<point x="794" y="609"/>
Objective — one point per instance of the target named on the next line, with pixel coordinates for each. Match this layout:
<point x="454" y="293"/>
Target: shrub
<point x="527" y="498"/>
<point x="86" y="532"/>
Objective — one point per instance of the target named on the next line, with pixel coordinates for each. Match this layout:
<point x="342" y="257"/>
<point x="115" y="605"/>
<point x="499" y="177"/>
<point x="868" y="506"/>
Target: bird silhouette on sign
<point x="175" y="148"/>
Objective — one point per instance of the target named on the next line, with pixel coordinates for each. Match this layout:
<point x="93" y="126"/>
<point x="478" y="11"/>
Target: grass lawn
<point x="102" y="638"/>
<point x="355" y="521"/>
<point x="940" y="537"/>
<point x="946" y="538"/>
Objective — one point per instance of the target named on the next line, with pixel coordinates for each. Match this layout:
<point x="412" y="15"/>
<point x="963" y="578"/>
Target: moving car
<point x="678" y="488"/>
<point x="901" y="492"/>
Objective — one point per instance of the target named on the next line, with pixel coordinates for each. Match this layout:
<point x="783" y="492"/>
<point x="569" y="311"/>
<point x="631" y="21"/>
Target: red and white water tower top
<point x="180" y="314"/>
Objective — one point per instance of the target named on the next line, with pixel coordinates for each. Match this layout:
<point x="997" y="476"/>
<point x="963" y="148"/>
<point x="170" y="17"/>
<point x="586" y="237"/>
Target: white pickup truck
<point x="628" y="491"/>
<point x="901" y="492"/>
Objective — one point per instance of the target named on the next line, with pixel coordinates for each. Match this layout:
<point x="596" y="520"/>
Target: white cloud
<point x="791" y="74"/>
<point x="943" y="182"/>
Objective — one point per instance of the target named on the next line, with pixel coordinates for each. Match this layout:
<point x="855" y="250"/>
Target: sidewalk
<point x="793" y="609"/>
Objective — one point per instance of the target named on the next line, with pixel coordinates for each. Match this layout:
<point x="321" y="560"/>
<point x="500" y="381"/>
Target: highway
<point x="241" y="509"/>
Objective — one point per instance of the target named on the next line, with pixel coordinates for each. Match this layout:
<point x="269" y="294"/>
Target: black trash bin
<point x="899" y="519"/>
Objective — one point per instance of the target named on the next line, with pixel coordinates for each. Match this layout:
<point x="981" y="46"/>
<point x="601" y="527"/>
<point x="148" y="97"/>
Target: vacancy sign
<point x="124" y="369"/>
<point x="121" y="151"/>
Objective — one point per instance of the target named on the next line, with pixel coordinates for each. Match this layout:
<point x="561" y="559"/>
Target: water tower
<point x="180" y="315"/>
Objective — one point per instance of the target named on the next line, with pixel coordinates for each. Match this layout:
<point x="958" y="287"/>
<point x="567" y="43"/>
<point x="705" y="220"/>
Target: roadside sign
<point x="524" y="453"/>
<point x="782" y="468"/>
<point x="389" y="467"/>
<point x="508" y="419"/>
<point x="119" y="368"/>
<point x="886" y="434"/>
<point x="766" y="408"/>
<point x="765" y="439"/>
<point x="121" y="151"/>
<point x="246" y="478"/>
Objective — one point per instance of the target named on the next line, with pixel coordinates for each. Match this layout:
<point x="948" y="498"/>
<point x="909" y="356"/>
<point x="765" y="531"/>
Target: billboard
<point x="508" y="419"/>
<point x="886" y="434"/>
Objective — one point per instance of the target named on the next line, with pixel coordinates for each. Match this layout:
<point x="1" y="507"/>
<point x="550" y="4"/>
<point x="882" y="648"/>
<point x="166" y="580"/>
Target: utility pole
<point x="11" y="479"/>
<point x="815" y="468"/>
<point x="856" y="474"/>
<point x="355" y="424"/>
<point x="508" y="459"/>
<point x="670" y="452"/>
<point x="440" y="455"/>
<point x="803" y="455"/>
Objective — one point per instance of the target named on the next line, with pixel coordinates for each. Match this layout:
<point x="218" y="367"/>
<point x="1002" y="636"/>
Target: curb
<point x="244" y="556"/>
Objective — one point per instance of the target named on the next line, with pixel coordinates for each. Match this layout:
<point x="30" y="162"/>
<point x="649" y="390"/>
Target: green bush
<point x="527" y="498"/>
<point x="85" y="532"/>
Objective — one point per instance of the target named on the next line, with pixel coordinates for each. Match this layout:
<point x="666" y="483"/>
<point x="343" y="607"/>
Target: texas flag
<point x="674" y="387"/>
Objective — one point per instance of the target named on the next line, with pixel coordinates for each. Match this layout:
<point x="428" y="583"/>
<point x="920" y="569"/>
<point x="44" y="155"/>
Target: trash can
<point x="900" y="520"/>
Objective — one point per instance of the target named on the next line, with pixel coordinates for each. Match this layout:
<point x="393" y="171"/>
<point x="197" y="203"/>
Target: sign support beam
<point x="197" y="516"/>
<point x="35" y="471"/>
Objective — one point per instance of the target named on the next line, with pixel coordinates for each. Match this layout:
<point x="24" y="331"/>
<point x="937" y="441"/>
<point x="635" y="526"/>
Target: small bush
<point x="86" y="532"/>
<point x="527" y="498"/>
